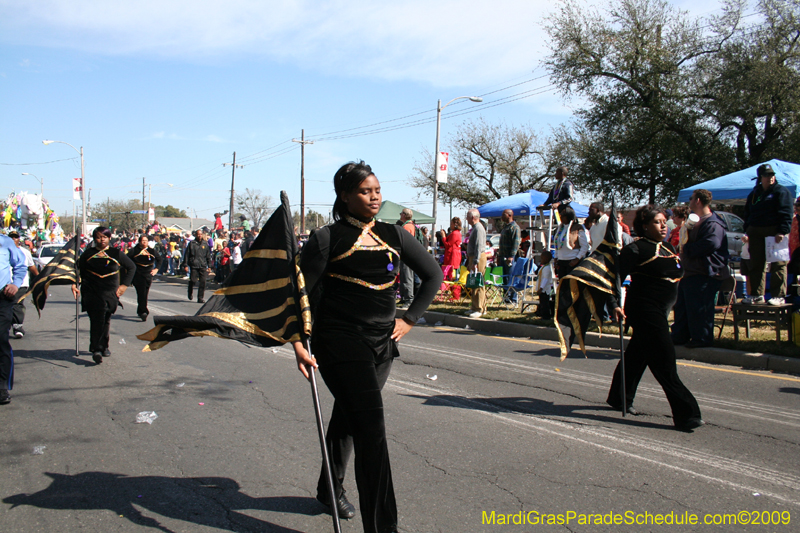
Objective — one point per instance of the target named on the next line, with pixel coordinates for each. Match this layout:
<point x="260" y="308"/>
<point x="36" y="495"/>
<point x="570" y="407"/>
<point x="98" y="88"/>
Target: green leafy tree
<point x="750" y="88"/>
<point x="641" y="136"/>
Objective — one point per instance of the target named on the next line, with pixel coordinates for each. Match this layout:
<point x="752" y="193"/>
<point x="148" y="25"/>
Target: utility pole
<point x="144" y="217"/>
<point x="303" y="142"/>
<point x="233" y="179"/>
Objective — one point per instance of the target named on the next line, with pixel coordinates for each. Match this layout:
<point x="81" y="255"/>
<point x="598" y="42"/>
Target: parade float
<point x="30" y="215"/>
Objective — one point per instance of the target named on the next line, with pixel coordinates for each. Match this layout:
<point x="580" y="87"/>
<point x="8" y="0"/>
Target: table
<point x="768" y="313"/>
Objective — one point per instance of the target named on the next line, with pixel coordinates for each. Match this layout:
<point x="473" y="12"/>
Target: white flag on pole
<point x="441" y="166"/>
<point x="77" y="188"/>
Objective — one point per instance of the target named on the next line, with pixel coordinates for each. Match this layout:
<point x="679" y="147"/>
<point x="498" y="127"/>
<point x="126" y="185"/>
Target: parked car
<point x="734" y="227"/>
<point x="46" y="254"/>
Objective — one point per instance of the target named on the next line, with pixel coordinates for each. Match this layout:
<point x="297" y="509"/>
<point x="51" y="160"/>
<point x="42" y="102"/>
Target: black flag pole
<point x="77" y="302"/>
<point x="337" y="527"/>
<point x="622" y="365"/>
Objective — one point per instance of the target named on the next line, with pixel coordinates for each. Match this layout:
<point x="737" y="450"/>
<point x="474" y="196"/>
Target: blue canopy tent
<point x="524" y="204"/>
<point x="733" y="188"/>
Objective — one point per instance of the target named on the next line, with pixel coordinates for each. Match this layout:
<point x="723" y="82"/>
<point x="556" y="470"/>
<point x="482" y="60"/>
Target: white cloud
<point x="445" y="43"/>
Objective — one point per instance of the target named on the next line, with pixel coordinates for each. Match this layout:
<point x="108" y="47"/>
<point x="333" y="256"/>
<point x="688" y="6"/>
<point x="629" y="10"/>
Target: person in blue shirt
<point x="12" y="274"/>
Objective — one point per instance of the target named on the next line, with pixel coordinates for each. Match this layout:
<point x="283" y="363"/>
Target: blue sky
<point x="168" y="90"/>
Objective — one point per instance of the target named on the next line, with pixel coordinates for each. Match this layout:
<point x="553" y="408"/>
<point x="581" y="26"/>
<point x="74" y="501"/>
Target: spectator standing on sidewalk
<point x="476" y="260"/>
<point x="767" y="213"/>
<point x="704" y="258"/>
<point x="509" y="244"/>
<point x="406" y="274"/>
<point x="571" y="242"/>
<point x="12" y="274"/>
<point x="596" y="223"/>
<point x="31" y="272"/>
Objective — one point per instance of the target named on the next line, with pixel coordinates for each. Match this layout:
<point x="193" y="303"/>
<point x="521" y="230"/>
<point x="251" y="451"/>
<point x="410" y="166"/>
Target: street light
<point x="40" y="180"/>
<point x="83" y="181"/>
<point x="439" y="108"/>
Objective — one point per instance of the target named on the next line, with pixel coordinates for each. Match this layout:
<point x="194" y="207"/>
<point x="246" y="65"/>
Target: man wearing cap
<point x="768" y="213"/>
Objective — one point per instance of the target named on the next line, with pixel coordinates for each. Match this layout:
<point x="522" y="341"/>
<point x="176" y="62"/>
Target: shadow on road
<point x="531" y="406"/>
<point x="209" y="502"/>
<point x="50" y="356"/>
<point x="790" y="390"/>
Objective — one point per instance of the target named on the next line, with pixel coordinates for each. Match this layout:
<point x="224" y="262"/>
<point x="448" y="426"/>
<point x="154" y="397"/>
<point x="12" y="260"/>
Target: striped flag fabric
<point x="61" y="270"/>
<point x="582" y="293"/>
<point x="262" y="303"/>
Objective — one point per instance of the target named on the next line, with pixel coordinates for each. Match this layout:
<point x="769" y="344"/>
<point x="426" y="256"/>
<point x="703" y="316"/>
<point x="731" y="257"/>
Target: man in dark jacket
<point x="509" y="245"/>
<point x="704" y="258"/>
<point x="198" y="257"/>
<point x="767" y="213"/>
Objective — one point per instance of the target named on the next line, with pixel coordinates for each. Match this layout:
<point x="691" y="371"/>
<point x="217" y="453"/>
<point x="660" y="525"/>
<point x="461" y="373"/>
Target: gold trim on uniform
<point x="362" y="282"/>
<point x="266" y="254"/>
<point x="256" y="287"/>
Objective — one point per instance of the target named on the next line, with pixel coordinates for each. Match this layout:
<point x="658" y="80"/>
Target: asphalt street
<point x="482" y="429"/>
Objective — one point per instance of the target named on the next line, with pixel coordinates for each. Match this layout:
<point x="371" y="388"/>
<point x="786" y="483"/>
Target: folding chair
<point x="458" y="286"/>
<point x="512" y="289"/>
<point x="493" y="278"/>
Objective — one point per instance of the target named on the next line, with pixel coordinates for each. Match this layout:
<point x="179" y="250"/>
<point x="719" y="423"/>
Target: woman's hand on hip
<point x="401" y="327"/>
<point x="304" y="360"/>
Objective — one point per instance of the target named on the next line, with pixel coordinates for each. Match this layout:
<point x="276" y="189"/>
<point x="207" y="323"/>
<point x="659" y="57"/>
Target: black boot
<point x="343" y="505"/>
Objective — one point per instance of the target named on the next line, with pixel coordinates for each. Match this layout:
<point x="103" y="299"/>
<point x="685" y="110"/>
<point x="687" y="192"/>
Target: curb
<point x="714" y="356"/>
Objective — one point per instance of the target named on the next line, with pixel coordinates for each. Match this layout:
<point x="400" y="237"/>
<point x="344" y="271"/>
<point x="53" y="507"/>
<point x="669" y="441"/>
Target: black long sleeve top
<point x="145" y="260"/>
<point x="357" y="281"/>
<point x="102" y="272"/>
<point x="655" y="271"/>
<point x="771" y="207"/>
<point x="197" y="255"/>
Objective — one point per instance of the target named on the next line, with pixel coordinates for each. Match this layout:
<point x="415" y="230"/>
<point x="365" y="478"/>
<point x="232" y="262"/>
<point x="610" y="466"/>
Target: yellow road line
<point x="760" y="374"/>
<point x="746" y="372"/>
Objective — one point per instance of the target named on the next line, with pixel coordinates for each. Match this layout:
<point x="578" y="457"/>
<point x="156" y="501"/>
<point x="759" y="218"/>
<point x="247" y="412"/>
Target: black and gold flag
<point x="263" y="302"/>
<point x="583" y="292"/>
<point x="61" y="270"/>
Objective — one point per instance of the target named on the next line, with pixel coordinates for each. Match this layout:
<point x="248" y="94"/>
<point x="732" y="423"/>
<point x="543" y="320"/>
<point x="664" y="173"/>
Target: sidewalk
<point x="714" y="356"/>
<point x="717" y="356"/>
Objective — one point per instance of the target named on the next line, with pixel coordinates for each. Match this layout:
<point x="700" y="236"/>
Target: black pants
<point x="563" y="268"/>
<point x="198" y="275"/>
<point x="6" y="353"/>
<point x="357" y="423"/>
<point x="18" y="315"/>
<point x="651" y="346"/>
<point x="544" y="310"/>
<point x="142" y="284"/>
<point x="99" y="327"/>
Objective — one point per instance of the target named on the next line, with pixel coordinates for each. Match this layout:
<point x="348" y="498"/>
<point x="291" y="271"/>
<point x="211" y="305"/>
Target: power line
<point x="44" y="163"/>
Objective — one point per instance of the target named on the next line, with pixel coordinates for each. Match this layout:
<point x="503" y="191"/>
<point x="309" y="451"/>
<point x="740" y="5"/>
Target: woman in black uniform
<point x="105" y="275"/>
<point x="147" y="264"/>
<point x="350" y="269"/>
<point x="655" y="271"/>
